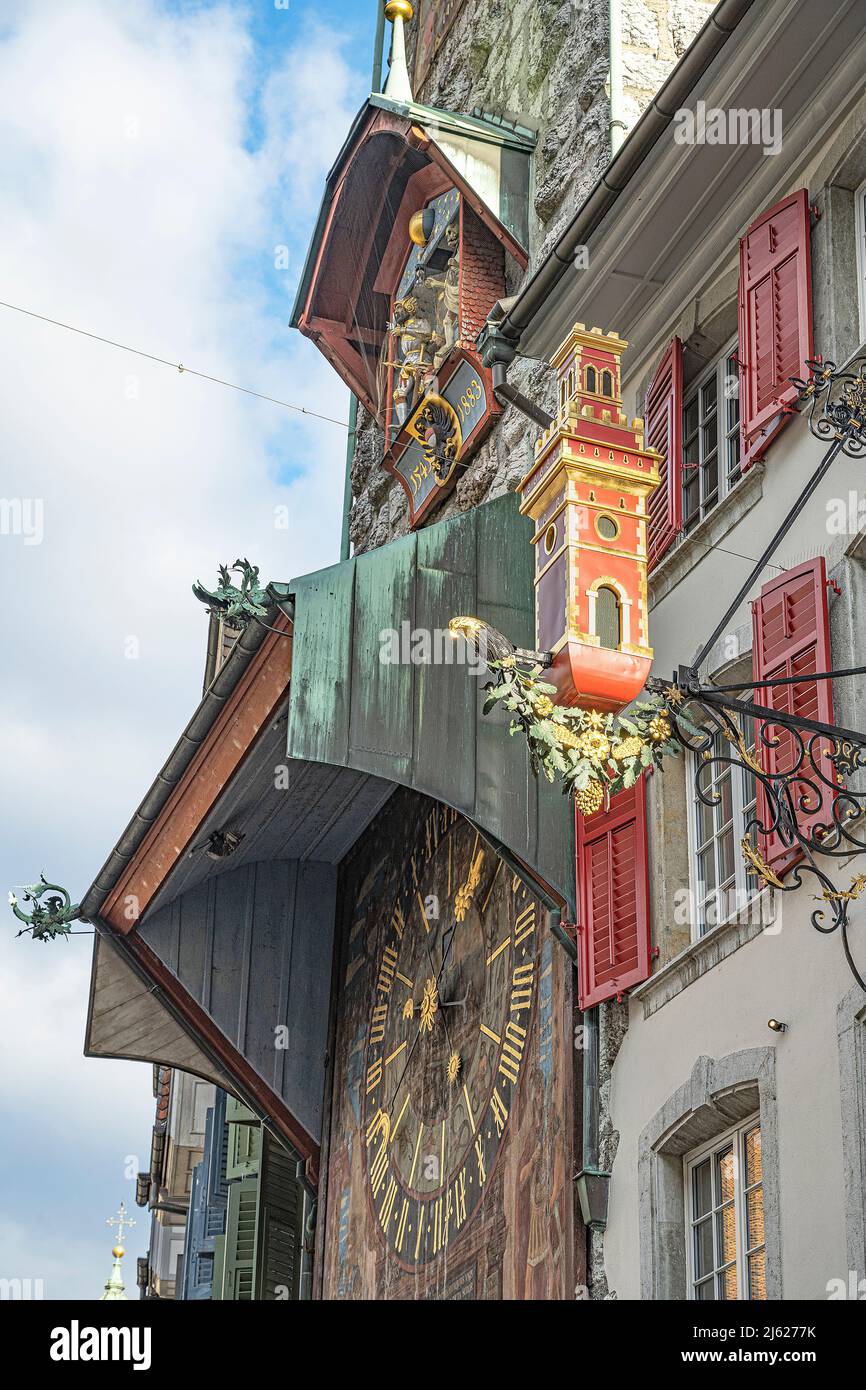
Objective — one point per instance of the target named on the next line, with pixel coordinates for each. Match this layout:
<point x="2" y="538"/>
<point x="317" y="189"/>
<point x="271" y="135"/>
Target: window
<point x="725" y="1217"/>
<point x="711" y="437"/>
<point x="860" y="217"/>
<point x="721" y="881"/>
<point x="607" y="623"/>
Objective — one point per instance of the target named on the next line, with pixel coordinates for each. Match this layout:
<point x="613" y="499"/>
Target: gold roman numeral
<point x="500" y="1114"/>
<point x="388" y="1204"/>
<point x="460" y="1198"/>
<point x="377" y="1027"/>
<point x="379" y="1168"/>
<point x="512" y="1051"/>
<point x="386" y="970"/>
<point x="521" y="987"/>
<point x="374" y="1076"/>
<point x="398" y="921"/>
<point x="524" y="925"/>
<point x="479" y="1155"/>
<point x="401" y="1226"/>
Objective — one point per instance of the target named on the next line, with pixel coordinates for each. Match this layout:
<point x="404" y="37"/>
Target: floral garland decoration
<point x="593" y="753"/>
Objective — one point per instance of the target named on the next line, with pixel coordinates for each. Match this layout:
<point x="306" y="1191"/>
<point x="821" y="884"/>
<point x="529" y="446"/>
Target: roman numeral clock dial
<point x="450" y="1028"/>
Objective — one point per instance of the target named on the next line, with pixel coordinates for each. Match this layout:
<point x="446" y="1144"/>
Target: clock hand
<point x="438" y="977"/>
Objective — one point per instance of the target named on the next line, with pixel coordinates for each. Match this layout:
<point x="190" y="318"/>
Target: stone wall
<point x="544" y="62"/>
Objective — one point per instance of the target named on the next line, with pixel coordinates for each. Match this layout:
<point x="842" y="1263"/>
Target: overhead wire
<point x="178" y="366"/>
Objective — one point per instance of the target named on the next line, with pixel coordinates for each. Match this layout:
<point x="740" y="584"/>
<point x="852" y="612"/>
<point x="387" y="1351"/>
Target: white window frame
<point x="726" y="433"/>
<point x="746" y="886"/>
<point x="734" y="1137"/>
<point x="860" y="233"/>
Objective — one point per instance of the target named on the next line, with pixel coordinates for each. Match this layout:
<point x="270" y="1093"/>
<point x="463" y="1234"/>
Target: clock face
<point x="449" y="1028"/>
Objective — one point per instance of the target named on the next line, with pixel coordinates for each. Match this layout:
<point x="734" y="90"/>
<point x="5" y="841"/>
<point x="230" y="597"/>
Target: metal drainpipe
<point x="347" y="489"/>
<point x="617" y="124"/>
<point x="506" y="394"/>
<point x="378" y="48"/>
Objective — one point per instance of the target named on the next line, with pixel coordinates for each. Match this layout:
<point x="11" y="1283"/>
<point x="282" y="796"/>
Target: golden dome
<point x="398" y="9"/>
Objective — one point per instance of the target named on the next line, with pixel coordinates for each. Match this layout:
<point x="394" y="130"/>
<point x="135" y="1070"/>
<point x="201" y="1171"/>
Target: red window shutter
<point x="663" y="423"/>
<point x="613" y="896"/>
<point x="791" y="637"/>
<point x="775" y="318"/>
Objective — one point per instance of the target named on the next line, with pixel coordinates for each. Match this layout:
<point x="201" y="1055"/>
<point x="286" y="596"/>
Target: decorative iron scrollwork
<point x="836" y="403"/>
<point x="52" y="913"/>
<point x="809" y="803"/>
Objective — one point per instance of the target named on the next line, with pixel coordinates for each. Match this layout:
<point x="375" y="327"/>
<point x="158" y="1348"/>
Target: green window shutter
<point x="240" y="1240"/>
<point x="279" y="1241"/>
<point x="245" y="1150"/>
<point x="238" y="1114"/>
<point x="219" y="1259"/>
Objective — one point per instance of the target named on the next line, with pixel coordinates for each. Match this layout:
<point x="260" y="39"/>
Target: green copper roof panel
<point x="419" y="723"/>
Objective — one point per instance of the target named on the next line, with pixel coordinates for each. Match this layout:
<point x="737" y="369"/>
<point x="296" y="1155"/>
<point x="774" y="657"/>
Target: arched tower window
<point x="607" y="617"/>
<point x="590" y="379"/>
<point x="606" y="384"/>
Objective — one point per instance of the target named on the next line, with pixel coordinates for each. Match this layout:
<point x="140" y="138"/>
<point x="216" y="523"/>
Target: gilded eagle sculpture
<point x="238" y="604"/>
<point x="52" y="913"/>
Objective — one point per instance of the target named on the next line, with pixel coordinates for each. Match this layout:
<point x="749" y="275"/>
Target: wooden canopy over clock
<point x="422" y="211"/>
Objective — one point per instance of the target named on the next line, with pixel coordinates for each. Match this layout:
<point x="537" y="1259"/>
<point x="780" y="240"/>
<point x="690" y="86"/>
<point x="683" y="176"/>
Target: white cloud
<point x="133" y="203"/>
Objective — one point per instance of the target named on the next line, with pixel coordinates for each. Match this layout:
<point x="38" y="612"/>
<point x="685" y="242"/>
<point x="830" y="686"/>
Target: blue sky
<point x="155" y="157"/>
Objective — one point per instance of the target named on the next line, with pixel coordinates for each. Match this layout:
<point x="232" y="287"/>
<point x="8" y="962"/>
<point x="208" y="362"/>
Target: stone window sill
<point x="699" y="957"/>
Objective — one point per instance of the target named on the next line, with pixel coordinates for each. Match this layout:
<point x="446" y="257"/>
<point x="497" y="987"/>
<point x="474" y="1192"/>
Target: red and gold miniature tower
<point x="587" y="495"/>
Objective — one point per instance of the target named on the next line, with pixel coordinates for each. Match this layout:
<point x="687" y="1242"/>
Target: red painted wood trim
<point x="246" y="713"/>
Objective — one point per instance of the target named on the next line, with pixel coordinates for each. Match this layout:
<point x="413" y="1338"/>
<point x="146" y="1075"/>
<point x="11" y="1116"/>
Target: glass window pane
<point x="703" y="1246"/>
<point x="727" y="859"/>
<point x="726" y="1233"/>
<point x="707" y="870"/>
<point x="758" y="1276"/>
<point x="708" y="396"/>
<point x="706" y="1293"/>
<point x="705" y="822"/>
<point x="752" y="1149"/>
<point x="702" y="1188"/>
<point x="725" y="1175"/>
<point x="754" y="1218"/>
<point x="728" y="1283"/>
<point x="726" y="805"/>
<point x="690" y="416"/>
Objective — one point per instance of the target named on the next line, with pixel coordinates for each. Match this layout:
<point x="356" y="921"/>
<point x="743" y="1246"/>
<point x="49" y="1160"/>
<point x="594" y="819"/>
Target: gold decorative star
<point x="453" y="1069"/>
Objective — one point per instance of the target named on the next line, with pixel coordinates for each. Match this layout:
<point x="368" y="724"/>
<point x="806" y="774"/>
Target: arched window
<point x="607" y="623"/>
<point x="606" y="384"/>
<point x="591" y="379"/>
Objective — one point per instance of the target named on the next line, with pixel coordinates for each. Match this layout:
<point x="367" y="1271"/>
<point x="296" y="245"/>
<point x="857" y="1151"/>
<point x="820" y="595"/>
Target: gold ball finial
<point x="118" y="1251"/>
<point x="398" y="9"/>
<point x="416" y="228"/>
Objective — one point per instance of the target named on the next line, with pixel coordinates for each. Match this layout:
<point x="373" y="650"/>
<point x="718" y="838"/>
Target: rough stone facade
<point x="545" y="63"/>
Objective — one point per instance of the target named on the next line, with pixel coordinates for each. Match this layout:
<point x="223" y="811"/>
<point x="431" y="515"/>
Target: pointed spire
<point x="398" y="87"/>
<point x="114" y="1288"/>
